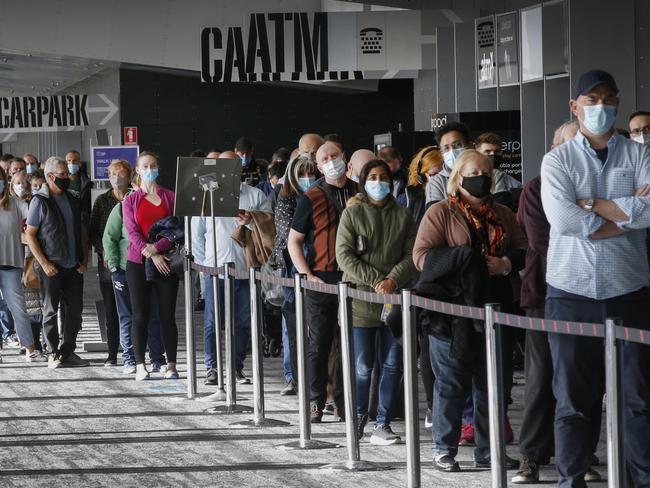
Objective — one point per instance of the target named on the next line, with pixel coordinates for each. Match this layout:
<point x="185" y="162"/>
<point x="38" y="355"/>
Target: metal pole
<point x="229" y="319"/>
<point x="215" y="301"/>
<point x="258" y="365"/>
<point x="411" y="420"/>
<point x="305" y="441"/>
<point x="495" y="398"/>
<point x="615" y="461"/>
<point x="354" y="462"/>
<point x="189" y="315"/>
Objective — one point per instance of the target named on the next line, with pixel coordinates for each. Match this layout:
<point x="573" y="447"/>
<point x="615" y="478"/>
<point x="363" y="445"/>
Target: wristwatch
<point x="589" y="205"/>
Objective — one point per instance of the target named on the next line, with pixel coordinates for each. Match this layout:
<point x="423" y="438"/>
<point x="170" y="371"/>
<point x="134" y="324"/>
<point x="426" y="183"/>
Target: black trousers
<point x="112" y="319"/>
<point x="139" y="289"/>
<point x="64" y="289"/>
<point x="537" y="439"/>
<point x="425" y="366"/>
<point x="322" y="319"/>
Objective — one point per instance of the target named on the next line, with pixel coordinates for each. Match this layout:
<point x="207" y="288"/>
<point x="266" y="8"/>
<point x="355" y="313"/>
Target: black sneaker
<point x="315" y="414"/>
<point x="528" y="472"/>
<point x="362" y="420"/>
<point x="290" y="390"/>
<point x="485" y="463"/>
<point x="73" y="361"/>
<point x="241" y="379"/>
<point x="110" y="361"/>
<point x="383" y="435"/>
<point x="212" y="378"/>
<point x="329" y="408"/>
<point x="444" y="462"/>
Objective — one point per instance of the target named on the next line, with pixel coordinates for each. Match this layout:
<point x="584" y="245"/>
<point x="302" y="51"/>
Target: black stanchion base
<point x="217" y="396"/>
<point x="307" y="445"/>
<point x="229" y="409"/>
<point x="357" y="466"/>
<point x="258" y="424"/>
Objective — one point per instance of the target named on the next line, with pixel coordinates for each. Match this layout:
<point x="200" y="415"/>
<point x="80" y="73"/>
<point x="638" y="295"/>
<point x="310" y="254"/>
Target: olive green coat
<point x="389" y="234"/>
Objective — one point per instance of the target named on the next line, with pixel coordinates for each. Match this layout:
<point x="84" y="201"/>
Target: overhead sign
<point x="130" y="135"/>
<point x="508" y="49"/>
<point x="54" y="113"/>
<point x="295" y="46"/>
<point x="486" y="52"/>
<point x="102" y="157"/>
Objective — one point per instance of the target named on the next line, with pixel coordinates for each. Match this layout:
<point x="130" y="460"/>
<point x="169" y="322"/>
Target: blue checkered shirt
<point x="606" y="268"/>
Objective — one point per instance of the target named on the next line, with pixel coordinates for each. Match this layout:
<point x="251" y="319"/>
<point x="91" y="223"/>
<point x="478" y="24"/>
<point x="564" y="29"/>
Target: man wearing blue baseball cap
<point x="595" y="195"/>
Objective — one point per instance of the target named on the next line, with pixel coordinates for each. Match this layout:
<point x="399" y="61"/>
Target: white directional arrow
<point x="110" y="107"/>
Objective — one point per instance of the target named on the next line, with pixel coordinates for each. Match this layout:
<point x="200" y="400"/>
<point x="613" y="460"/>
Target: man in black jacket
<point x="59" y="242"/>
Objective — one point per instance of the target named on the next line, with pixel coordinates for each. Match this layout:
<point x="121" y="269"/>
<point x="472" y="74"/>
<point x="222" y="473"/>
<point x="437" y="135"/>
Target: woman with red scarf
<point x="468" y="249"/>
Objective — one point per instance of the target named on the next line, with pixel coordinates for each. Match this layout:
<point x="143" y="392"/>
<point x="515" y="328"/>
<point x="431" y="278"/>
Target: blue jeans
<point x="6" y="320"/>
<point x="578" y="376"/>
<point x="11" y="287"/>
<point x="454" y="380"/>
<point x="286" y="362"/>
<point x="368" y="343"/>
<point x="123" y="302"/>
<point x="242" y="312"/>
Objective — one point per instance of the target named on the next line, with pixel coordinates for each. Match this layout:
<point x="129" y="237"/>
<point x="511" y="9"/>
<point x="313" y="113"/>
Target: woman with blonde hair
<point x="467" y="248"/>
<point x="426" y="163"/>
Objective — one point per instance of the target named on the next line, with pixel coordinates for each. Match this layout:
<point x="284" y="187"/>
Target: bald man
<point x="213" y="155"/>
<point x="314" y="226"/>
<point x="309" y="144"/>
<point x="228" y="155"/>
<point x="359" y="159"/>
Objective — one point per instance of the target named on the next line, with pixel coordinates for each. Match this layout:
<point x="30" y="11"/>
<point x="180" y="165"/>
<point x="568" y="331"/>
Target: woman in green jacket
<point x="373" y="248"/>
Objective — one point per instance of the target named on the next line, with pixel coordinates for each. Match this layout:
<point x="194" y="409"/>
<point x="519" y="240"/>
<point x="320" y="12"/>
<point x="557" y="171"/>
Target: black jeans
<point x="428" y="377"/>
<point x="139" y="291"/>
<point x="321" y="312"/>
<point x="63" y="289"/>
<point x="578" y="370"/>
<point x="112" y="319"/>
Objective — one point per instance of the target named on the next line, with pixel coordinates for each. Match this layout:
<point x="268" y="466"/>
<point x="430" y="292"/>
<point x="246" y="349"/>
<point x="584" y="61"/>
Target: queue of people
<point x="452" y="224"/>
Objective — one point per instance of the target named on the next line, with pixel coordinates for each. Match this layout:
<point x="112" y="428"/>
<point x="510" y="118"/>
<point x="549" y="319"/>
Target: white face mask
<point x="642" y="138"/>
<point x="450" y="157"/>
<point x="19" y="190"/>
<point x="334" y="169"/>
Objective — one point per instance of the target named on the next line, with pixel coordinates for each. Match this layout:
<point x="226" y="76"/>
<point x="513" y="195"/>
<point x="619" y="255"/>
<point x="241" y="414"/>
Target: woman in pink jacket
<point x="141" y="209"/>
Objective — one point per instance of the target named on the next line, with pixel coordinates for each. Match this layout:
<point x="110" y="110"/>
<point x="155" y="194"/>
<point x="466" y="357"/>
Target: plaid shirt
<point x="606" y="268"/>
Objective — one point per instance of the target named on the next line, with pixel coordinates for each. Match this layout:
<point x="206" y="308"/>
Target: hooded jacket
<point x="374" y="243"/>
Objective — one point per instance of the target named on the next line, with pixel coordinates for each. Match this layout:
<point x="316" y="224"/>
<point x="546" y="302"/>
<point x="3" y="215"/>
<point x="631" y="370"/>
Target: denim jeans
<point x="123" y="302"/>
<point x="242" y="322"/>
<point x="286" y="361"/>
<point x="6" y="320"/>
<point x="11" y="287"/>
<point x="370" y="342"/>
<point x="578" y="375"/>
<point x="455" y="380"/>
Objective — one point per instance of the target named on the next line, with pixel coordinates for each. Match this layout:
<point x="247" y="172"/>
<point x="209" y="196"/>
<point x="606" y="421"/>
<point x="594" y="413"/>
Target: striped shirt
<point x="605" y="268"/>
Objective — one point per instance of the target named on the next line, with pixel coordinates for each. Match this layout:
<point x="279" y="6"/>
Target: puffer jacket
<point x="374" y="243"/>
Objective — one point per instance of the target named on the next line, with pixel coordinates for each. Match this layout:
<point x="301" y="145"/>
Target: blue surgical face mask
<point x="149" y="175"/>
<point x="245" y="160"/>
<point x="305" y="183"/>
<point x="30" y="168"/>
<point x="354" y="178"/>
<point x="73" y="169"/>
<point x="599" y="118"/>
<point x="377" y="190"/>
<point x="450" y="157"/>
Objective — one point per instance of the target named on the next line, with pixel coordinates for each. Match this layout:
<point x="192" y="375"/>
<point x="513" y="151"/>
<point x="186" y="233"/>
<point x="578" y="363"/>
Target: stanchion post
<point x="615" y="462"/>
<point x="305" y="442"/>
<point x="354" y="462"/>
<point x="495" y="397"/>
<point x="189" y="315"/>
<point x="229" y="318"/>
<point x="258" y="419"/>
<point x="409" y="344"/>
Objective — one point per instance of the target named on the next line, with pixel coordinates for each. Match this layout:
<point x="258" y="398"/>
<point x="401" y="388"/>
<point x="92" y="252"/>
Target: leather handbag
<point x="30" y="276"/>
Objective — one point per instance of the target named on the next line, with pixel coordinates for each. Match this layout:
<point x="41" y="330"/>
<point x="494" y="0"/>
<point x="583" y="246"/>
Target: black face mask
<point x="497" y="159"/>
<point x="477" y="186"/>
<point x="62" y="183"/>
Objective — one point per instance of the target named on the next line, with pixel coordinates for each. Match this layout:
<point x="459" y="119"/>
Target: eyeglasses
<point x="640" y="130"/>
<point x="62" y="175"/>
<point x="458" y="144"/>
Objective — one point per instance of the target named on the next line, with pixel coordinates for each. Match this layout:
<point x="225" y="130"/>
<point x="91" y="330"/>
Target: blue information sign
<point x="103" y="156"/>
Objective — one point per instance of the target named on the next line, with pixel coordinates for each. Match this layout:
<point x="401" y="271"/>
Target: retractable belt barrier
<point x="612" y="331"/>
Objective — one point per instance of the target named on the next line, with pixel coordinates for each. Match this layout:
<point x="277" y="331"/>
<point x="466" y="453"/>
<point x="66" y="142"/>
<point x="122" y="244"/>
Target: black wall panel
<point x="177" y="113"/>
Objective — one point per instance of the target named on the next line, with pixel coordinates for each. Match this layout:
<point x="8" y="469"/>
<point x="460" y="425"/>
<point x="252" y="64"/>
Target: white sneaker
<point x="142" y="375"/>
<point x="128" y="369"/>
<point x="35" y="357"/>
